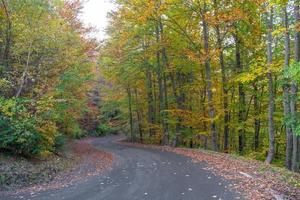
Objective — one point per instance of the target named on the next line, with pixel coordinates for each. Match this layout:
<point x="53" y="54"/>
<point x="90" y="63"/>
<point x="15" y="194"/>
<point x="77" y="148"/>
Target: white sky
<point x="95" y="14"/>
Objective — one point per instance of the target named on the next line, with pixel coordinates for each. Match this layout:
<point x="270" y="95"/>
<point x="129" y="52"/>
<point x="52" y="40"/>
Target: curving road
<point x="144" y="174"/>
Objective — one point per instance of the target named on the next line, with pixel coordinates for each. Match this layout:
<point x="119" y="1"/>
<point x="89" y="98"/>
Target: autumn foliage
<point x="45" y="74"/>
<point x="213" y="74"/>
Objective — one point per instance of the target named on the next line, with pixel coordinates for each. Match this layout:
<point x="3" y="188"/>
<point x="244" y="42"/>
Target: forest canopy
<point x="217" y="74"/>
<point x="46" y="70"/>
<point x="214" y="74"/>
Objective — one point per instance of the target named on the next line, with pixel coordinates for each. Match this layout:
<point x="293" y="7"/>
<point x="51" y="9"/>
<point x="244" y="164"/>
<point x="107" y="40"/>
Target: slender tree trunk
<point x="271" y="152"/>
<point x="180" y="101"/>
<point x="212" y="111"/>
<point x="159" y="76"/>
<point x="151" y="104"/>
<point x="294" y="88"/>
<point x="23" y="78"/>
<point x="203" y="108"/>
<point x="242" y="101"/>
<point x="8" y="36"/>
<point x="156" y="110"/>
<point x="174" y="90"/>
<point x="257" y="118"/>
<point x="165" y="87"/>
<point x="150" y="100"/>
<point x="130" y="113"/>
<point x="138" y="114"/>
<point x="286" y="99"/>
<point x="225" y="91"/>
<point x="224" y="83"/>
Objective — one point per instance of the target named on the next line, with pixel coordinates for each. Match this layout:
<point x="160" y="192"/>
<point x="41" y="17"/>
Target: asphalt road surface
<point x="143" y="174"/>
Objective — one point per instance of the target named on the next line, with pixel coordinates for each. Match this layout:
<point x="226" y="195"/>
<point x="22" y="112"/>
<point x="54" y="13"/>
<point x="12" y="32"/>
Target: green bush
<point x="59" y="142"/>
<point x="36" y="127"/>
<point x="77" y="133"/>
<point x="17" y="129"/>
<point x="104" y="129"/>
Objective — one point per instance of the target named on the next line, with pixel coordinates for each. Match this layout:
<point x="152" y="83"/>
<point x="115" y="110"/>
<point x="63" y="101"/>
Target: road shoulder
<point x="254" y="179"/>
<point x="82" y="162"/>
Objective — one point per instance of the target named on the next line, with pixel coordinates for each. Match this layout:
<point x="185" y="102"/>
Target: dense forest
<point x="175" y="99"/>
<point x="214" y="74"/>
<point x="46" y="75"/>
<point x="221" y="75"/>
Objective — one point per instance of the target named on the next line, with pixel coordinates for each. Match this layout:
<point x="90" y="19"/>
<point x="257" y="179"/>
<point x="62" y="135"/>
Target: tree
<point x="46" y="64"/>
<point x="201" y="72"/>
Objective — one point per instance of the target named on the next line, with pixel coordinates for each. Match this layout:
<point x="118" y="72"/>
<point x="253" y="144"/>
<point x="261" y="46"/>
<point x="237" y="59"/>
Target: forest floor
<point x="255" y="179"/>
<point x="77" y="161"/>
<point x="138" y="171"/>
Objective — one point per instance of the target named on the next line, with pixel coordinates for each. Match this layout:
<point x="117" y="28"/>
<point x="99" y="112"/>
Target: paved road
<point x="144" y="174"/>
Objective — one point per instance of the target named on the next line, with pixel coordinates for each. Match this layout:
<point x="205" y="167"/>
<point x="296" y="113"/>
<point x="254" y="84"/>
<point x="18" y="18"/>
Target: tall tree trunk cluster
<point x="210" y="76"/>
<point x="290" y="91"/>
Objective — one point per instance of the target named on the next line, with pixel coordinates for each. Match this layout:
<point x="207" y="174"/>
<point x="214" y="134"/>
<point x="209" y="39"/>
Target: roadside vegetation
<point x="19" y="172"/>
<point x="48" y="80"/>
<point x="219" y="75"/>
<point x="45" y="75"/>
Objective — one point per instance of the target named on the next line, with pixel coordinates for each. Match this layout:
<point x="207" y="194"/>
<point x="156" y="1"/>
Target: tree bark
<point x="242" y="101"/>
<point x="151" y="103"/>
<point x="257" y="120"/>
<point x="165" y="66"/>
<point x="286" y="99"/>
<point x="271" y="152"/>
<point x="150" y="99"/>
<point x="225" y="91"/>
<point x="8" y="37"/>
<point x="159" y="76"/>
<point x="138" y="114"/>
<point x="130" y="113"/>
<point x="294" y="89"/>
<point x="212" y="111"/>
<point x="224" y="83"/>
<point x="25" y="71"/>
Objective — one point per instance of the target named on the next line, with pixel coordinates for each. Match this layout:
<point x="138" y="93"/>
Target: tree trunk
<point x="174" y="90"/>
<point x="212" y="111"/>
<point x="154" y="84"/>
<point x="203" y="108"/>
<point x="151" y="103"/>
<point x="165" y="66"/>
<point x="138" y="114"/>
<point x="241" y="92"/>
<point x="271" y="152"/>
<point x="130" y="114"/>
<point x="224" y="83"/>
<point x="294" y="88"/>
<point x="286" y="99"/>
<point x="24" y="72"/>
<point x="159" y="76"/>
<point x="257" y="118"/>
<point x="8" y="37"/>
<point x="225" y="91"/>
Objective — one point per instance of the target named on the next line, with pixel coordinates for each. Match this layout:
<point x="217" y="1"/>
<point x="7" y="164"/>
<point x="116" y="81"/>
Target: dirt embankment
<point x="80" y="161"/>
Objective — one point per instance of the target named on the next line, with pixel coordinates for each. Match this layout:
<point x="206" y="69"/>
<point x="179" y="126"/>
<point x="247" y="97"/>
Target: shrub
<point x="104" y="129"/>
<point x="59" y="142"/>
<point x="35" y="127"/>
<point x="17" y="129"/>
